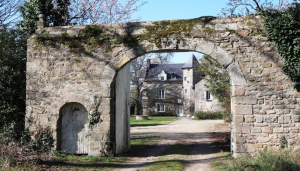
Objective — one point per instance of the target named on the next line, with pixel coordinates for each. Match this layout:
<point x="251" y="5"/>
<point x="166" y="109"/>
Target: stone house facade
<point x="176" y="87"/>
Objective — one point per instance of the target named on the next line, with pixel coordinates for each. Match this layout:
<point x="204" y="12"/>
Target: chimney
<point x="148" y="63"/>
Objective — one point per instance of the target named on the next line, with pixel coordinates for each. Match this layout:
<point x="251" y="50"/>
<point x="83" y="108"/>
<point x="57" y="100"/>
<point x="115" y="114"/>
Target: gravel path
<point x="194" y="134"/>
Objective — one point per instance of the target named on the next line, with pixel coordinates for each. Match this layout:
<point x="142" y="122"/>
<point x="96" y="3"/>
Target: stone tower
<point x="190" y="78"/>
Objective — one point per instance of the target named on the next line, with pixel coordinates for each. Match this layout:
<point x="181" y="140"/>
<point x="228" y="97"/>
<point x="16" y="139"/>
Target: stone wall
<point x="201" y="103"/>
<point x="80" y="63"/>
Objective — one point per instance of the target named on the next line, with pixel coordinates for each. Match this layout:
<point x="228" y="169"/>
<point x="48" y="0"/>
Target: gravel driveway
<point x="194" y="134"/>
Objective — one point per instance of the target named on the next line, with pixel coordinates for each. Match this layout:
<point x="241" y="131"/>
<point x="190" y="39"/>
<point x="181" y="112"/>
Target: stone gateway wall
<point x="79" y="64"/>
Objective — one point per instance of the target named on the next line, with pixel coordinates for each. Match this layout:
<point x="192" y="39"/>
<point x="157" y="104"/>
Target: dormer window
<point x="173" y="76"/>
<point x="162" y="76"/>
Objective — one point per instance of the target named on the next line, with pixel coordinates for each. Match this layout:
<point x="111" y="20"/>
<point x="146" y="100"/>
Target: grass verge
<point x="77" y="162"/>
<point x="138" y="144"/>
<point x="152" y="121"/>
<point x="265" y="160"/>
<point x="172" y="159"/>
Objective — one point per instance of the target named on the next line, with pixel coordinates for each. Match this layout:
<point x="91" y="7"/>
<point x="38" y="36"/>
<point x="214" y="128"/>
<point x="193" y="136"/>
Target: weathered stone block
<point x="96" y="136"/>
<point x="256" y="130"/>
<point x="251" y="148"/>
<point x="259" y="119"/>
<point x="297" y="95"/>
<point x="238" y="90"/>
<point x="246" y="128"/>
<point x="267" y="130"/>
<point x="263" y="139"/>
<point x="273" y="136"/>
<point x="242" y="110"/>
<point x="238" y="119"/>
<point x="278" y="130"/>
<point x="244" y="100"/>
<point x="295" y="112"/>
<point x="259" y="146"/>
<point x="249" y="119"/>
<point x="296" y="118"/>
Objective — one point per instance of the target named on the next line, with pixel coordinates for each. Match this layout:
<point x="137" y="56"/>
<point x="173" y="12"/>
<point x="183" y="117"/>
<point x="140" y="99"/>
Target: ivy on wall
<point x="95" y="114"/>
<point x="283" y="28"/>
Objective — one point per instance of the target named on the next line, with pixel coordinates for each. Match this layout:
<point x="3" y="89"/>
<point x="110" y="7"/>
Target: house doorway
<point x="73" y="129"/>
<point x="180" y="111"/>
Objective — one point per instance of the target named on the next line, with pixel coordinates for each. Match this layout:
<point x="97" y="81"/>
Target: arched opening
<point x="154" y="97"/>
<point x="72" y="129"/>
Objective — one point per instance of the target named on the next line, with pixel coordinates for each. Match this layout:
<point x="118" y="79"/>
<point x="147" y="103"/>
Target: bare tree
<point x="138" y="71"/>
<point x="102" y="11"/>
<point x="160" y="58"/>
<point x="8" y="11"/>
<point x="247" y="7"/>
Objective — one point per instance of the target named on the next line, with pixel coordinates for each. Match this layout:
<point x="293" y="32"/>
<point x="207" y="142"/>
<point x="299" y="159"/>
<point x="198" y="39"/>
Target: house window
<point x="173" y="76"/>
<point x="161" y="94"/>
<point x="185" y="90"/>
<point x="184" y="78"/>
<point x="160" y="107"/>
<point x="208" y="97"/>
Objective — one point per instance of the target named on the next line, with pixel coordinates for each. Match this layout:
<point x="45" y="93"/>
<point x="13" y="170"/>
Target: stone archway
<point x="72" y="129"/>
<point x="82" y="62"/>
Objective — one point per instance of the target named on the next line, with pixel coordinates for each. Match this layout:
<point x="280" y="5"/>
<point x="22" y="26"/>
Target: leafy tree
<point x="218" y="82"/>
<point x="56" y="14"/>
<point x="283" y="28"/>
<point x="12" y="81"/>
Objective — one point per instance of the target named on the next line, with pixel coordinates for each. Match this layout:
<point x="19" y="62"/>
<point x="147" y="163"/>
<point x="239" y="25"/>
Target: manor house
<point x="176" y="87"/>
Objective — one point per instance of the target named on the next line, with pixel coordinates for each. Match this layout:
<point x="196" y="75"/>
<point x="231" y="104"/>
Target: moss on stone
<point x="249" y="23"/>
<point x="163" y="29"/>
<point x="94" y="36"/>
<point x="208" y="30"/>
<point x="230" y="31"/>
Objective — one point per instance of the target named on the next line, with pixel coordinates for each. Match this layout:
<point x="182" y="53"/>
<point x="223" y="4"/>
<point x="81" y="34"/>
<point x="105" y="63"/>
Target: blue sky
<point x="156" y="10"/>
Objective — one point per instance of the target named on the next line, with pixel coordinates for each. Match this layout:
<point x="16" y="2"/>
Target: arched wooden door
<point x="74" y="129"/>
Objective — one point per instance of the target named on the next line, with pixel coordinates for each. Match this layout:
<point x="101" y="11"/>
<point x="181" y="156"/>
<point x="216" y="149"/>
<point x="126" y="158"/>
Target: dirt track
<point x="195" y="135"/>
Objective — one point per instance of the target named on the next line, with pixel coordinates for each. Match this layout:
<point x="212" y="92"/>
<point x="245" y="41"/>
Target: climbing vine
<point x="95" y="115"/>
<point x="283" y="28"/>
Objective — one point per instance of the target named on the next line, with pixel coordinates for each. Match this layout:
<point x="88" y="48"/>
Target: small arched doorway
<point x="73" y="129"/>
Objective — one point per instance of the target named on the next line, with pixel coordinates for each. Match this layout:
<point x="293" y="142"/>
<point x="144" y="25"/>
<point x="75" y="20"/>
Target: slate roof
<point x="191" y="62"/>
<point x="155" y="69"/>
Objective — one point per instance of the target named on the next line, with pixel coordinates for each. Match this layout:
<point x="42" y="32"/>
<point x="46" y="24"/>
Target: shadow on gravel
<point x="216" y="146"/>
<point x="177" y="136"/>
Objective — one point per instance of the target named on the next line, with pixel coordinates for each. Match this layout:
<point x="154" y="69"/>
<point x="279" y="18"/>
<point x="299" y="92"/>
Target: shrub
<point x="167" y="113"/>
<point x="209" y="115"/>
<point x="265" y="160"/>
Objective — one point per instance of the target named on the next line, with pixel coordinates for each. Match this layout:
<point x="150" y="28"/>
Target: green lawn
<point x="152" y="121"/>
